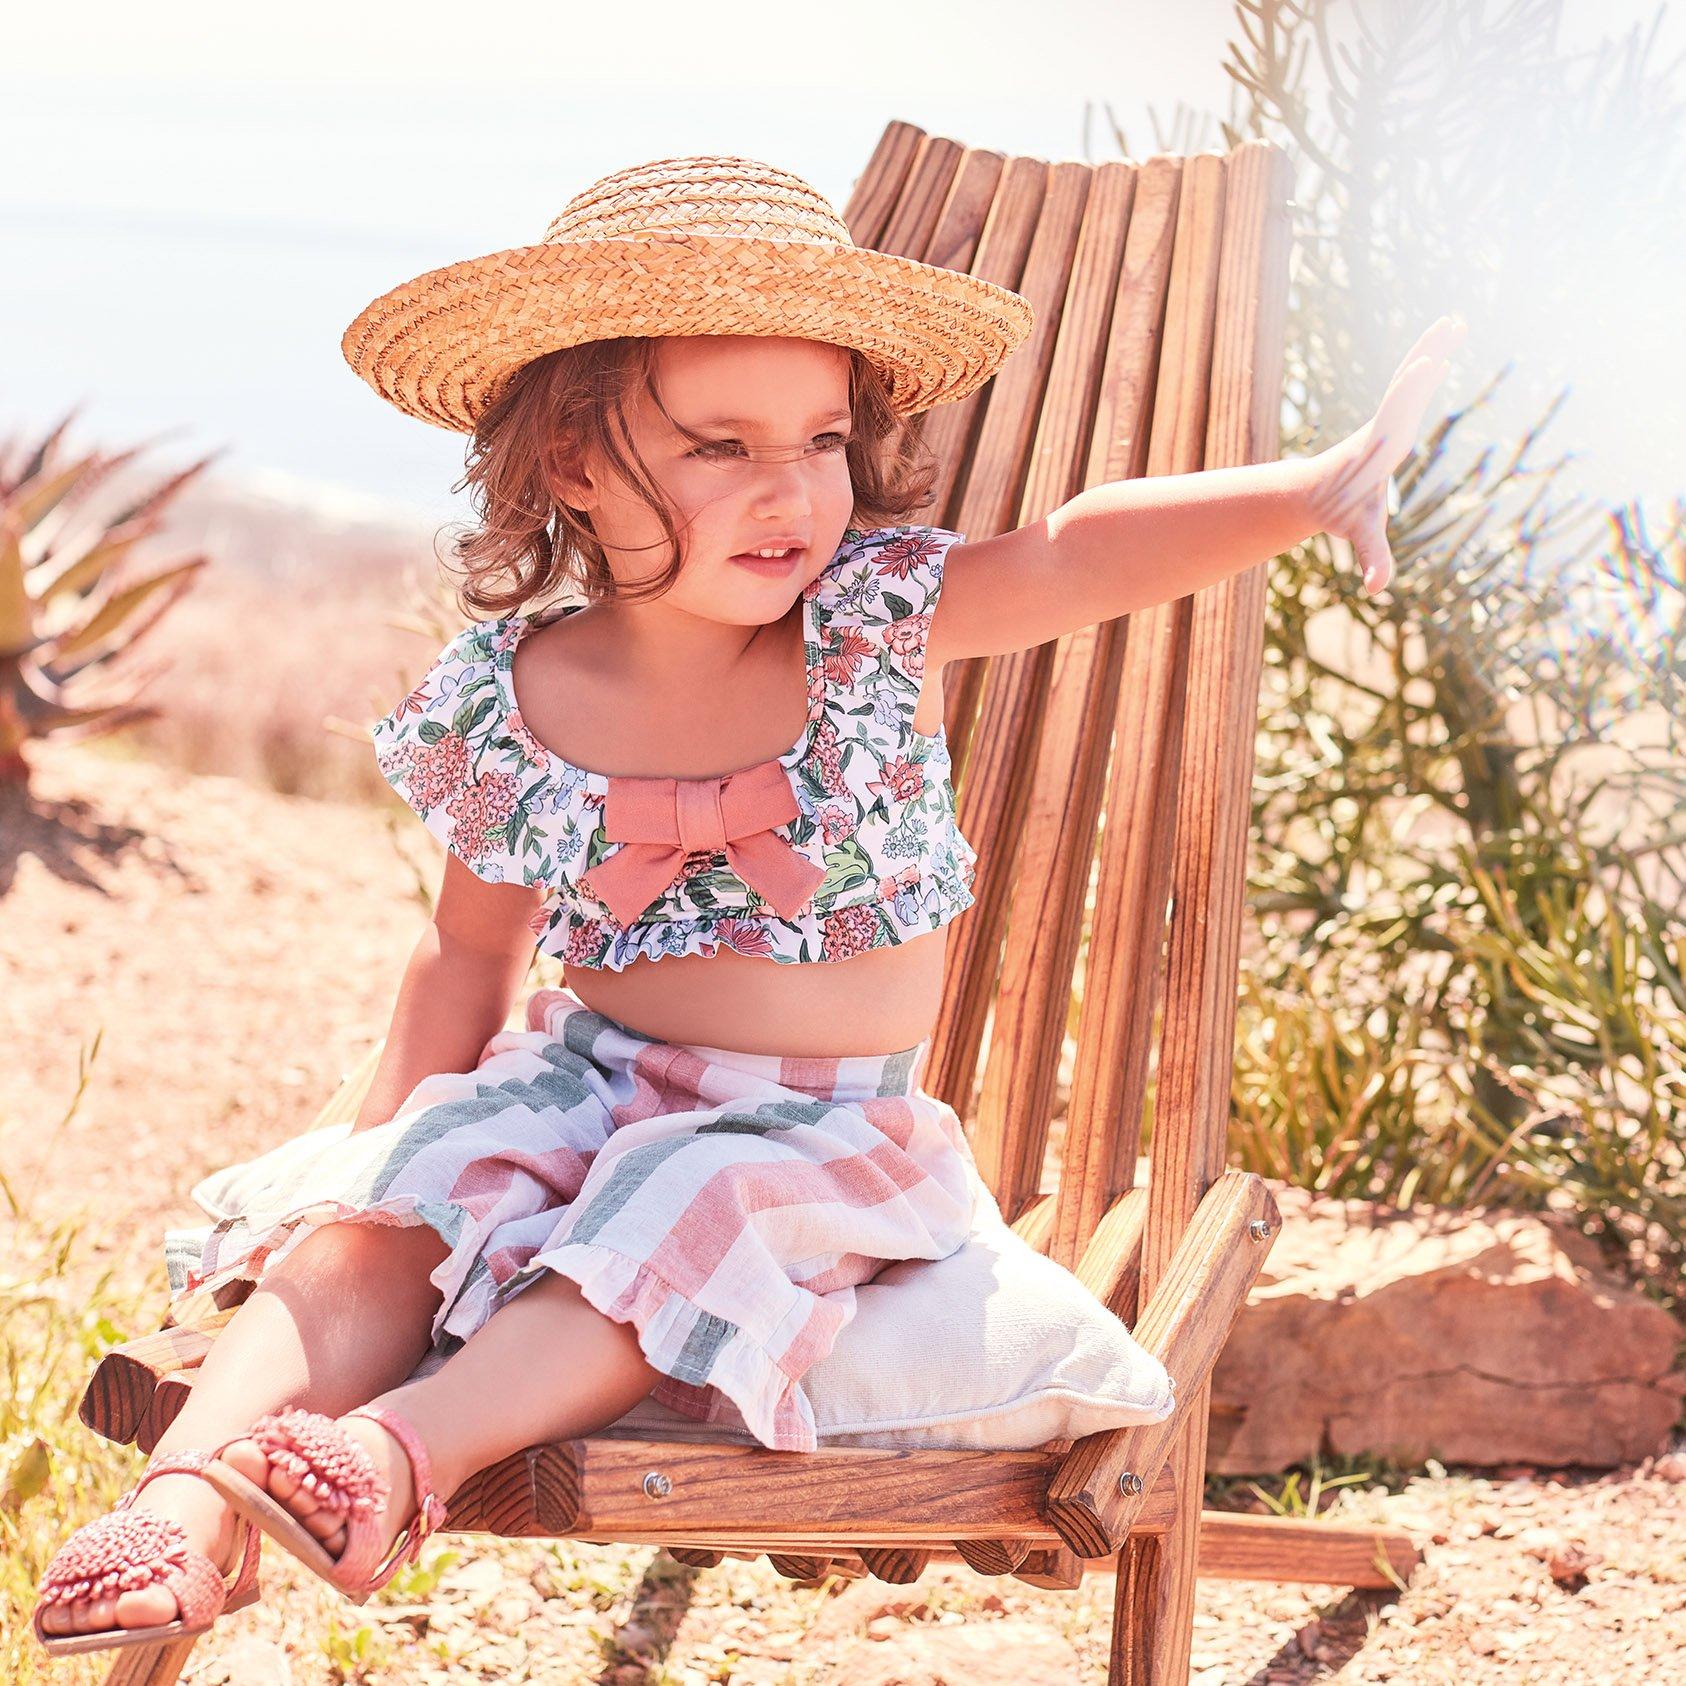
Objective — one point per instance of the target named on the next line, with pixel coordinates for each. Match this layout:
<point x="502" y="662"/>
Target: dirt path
<point x="241" y="949"/>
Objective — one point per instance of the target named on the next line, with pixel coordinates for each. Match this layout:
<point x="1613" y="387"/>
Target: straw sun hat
<point x="701" y="245"/>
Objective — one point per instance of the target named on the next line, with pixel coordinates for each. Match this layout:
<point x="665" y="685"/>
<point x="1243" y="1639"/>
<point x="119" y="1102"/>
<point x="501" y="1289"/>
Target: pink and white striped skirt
<point x="725" y="1204"/>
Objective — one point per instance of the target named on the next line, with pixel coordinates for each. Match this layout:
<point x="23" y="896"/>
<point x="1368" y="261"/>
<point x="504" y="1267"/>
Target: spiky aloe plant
<point x="67" y="613"/>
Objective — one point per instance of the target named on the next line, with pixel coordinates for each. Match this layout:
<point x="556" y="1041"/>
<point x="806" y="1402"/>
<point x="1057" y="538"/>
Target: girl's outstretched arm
<point x="1127" y="544"/>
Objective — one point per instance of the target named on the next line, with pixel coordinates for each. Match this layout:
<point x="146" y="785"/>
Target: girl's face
<point x="735" y="390"/>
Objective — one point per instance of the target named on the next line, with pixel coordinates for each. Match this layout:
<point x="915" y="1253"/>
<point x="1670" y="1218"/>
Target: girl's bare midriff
<point x="878" y="1002"/>
<point x="875" y="1003"/>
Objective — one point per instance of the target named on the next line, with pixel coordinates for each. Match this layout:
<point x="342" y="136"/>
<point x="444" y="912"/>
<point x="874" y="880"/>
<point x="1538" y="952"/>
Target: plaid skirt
<point x="725" y="1204"/>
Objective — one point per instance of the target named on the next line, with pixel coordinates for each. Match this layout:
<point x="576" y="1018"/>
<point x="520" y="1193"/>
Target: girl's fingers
<point x="1434" y="346"/>
<point x="1353" y="499"/>
<point x="1370" y="548"/>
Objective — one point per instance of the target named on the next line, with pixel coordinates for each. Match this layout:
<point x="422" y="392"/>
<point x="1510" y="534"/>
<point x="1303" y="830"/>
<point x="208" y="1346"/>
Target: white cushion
<point x="994" y="1346"/>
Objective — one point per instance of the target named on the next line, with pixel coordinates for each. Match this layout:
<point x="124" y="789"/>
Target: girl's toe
<point x="148" y="1607"/>
<point x="323" y="1524"/>
<point x="245" y="1457"/>
<point x="283" y="1484"/>
<point x="93" y="1614"/>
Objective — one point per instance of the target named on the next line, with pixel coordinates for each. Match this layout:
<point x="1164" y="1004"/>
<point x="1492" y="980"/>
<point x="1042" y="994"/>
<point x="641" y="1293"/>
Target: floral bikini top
<point x="845" y="842"/>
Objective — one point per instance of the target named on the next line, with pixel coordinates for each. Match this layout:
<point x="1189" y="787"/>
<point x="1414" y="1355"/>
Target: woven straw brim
<point x="440" y="346"/>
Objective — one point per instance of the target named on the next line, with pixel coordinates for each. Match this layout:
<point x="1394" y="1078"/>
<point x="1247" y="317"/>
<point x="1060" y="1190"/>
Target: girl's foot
<point x="325" y="1522"/>
<point x="210" y="1527"/>
<point x="351" y="1497"/>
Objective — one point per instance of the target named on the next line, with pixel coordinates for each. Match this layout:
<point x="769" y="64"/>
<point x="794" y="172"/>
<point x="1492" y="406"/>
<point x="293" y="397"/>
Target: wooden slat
<point x="149" y="1665"/>
<point x="993" y="1557"/>
<point x="795" y="1568"/>
<point x="997" y="703"/>
<point x="1057" y="1570"/>
<point x="1290" y="1548"/>
<point x="119" y="1394"/>
<point x="1240" y="211"/>
<point x="1111" y="1264"/>
<point x="1233" y="1546"/>
<point x="745" y="1496"/>
<point x="900" y="1566"/>
<point x="1109" y="1081"/>
<point x="872" y="202"/>
<point x="1027" y="244"/>
<point x="1184" y="1324"/>
<point x="590" y="1487"/>
<point x="981" y="455"/>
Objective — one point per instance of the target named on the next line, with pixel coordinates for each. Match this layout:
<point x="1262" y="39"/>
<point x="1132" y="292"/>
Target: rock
<point x="863" y="1602"/>
<point x="477" y="1579"/>
<point x="1474" y="1337"/>
<point x="1569" y="1564"/>
<point x="986" y="1653"/>
<point x="509" y="1612"/>
<point x="247" y="1660"/>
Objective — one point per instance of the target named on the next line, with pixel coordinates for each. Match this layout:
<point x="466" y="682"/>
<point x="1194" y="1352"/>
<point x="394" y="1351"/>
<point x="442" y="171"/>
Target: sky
<point x="210" y="193"/>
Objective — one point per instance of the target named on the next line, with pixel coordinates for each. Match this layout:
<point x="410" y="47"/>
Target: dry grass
<point x="58" y="1315"/>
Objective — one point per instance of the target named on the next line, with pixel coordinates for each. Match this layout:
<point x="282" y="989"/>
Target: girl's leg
<point x="347" y="1313"/>
<point x="545" y="1366"/>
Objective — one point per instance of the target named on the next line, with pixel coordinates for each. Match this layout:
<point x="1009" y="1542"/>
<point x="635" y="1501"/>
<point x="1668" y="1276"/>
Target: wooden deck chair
<point x="1125" y="752"/>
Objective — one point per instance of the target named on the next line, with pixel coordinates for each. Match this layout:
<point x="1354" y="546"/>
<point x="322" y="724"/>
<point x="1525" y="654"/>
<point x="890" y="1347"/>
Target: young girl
<point x="686" y="405"/>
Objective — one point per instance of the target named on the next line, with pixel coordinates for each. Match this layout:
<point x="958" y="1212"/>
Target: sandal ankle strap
<point x="430" y="1508"/>
<point x="171" y="1463"/>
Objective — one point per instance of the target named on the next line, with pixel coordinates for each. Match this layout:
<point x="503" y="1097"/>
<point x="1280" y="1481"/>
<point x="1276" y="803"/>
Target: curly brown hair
<point x="530" y="544"/>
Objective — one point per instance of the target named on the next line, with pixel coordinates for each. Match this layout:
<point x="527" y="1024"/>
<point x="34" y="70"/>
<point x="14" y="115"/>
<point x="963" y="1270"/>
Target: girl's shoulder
<point x="881" y="588"/>
<point x="454" y="748"/>
<point x="458" y="690"/>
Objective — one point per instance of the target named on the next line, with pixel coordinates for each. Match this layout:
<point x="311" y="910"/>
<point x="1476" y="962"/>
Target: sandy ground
<point x="236" y="951"/>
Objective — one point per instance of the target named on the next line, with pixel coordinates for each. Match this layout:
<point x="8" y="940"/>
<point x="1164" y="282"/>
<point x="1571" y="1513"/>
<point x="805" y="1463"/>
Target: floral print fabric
<point x="876" y="799"/>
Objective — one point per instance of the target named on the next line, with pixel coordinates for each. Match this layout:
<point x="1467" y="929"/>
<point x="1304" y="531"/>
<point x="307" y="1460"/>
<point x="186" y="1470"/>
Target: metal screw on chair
<point x="1259" y="1229"/>
<point x="657" y="1485"/>
<point x="1129" y="1483"/>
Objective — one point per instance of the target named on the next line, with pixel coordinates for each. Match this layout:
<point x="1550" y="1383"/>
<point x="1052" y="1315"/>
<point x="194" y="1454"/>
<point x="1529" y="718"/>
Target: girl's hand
<point x="1350" y="494"/>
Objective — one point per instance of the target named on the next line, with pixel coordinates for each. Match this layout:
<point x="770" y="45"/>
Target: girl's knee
<point x="348" y="1244"/>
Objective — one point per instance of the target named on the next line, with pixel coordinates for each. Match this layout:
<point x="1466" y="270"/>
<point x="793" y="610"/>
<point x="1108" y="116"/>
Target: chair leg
<point x="1153" y="1614"/>
<point x="149" y="1665"/>
<point x="1134" y="1612"/>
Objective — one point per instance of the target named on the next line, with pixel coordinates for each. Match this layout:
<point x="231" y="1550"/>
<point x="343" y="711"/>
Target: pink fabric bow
<point x="662" y="821"/>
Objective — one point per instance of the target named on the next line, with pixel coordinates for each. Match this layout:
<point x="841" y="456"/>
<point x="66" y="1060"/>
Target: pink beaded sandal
<point x="342" y="1476"/>
<point x="127" y="1550"/>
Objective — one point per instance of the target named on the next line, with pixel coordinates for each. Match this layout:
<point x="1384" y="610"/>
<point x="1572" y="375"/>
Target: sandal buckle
<point x="431" y="1513"/>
